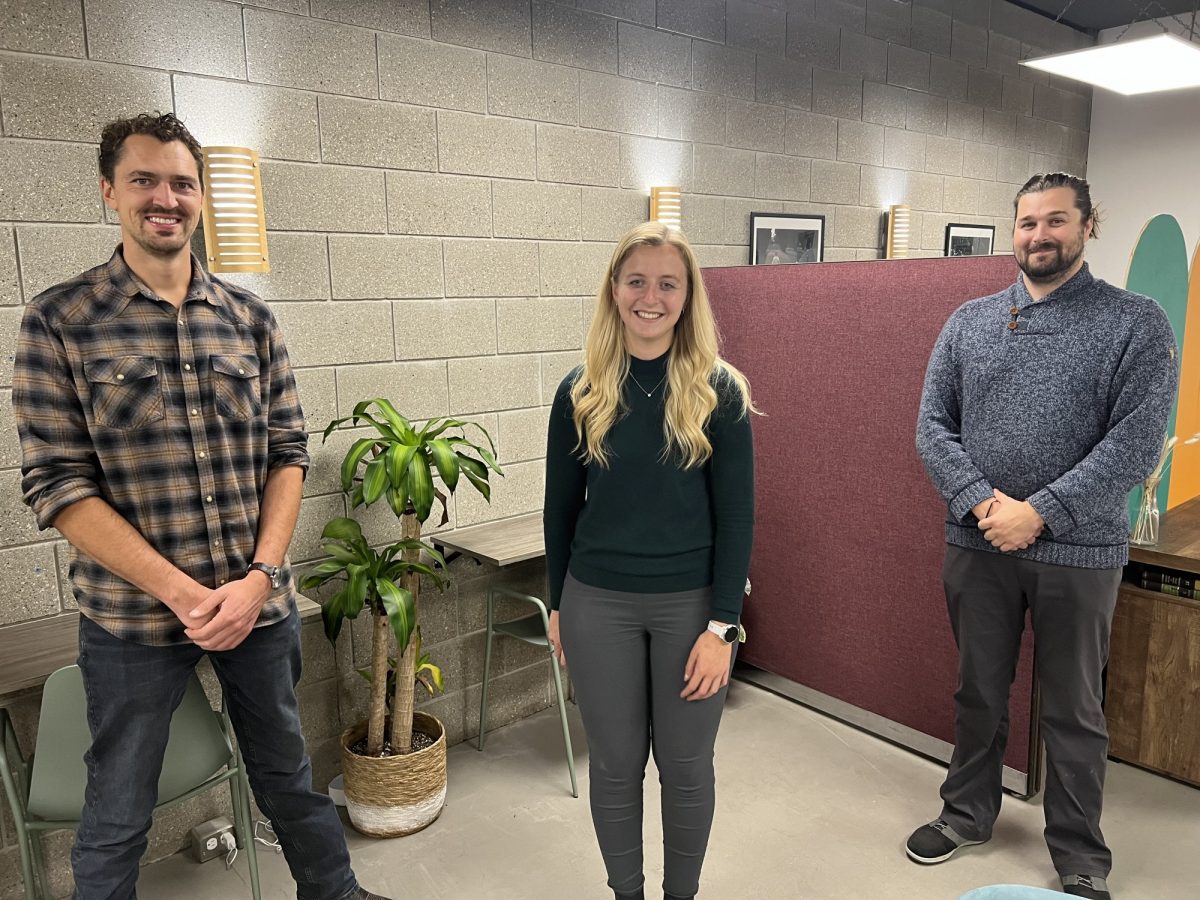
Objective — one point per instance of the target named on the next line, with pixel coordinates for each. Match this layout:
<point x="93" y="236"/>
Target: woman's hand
<point x="555" y="643"/>
<point x="707" y="669"/>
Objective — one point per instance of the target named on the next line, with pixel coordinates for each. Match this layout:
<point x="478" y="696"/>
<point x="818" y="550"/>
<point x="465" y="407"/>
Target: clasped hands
<point x="223" y="618"/>
<point x="1008" y="524"/>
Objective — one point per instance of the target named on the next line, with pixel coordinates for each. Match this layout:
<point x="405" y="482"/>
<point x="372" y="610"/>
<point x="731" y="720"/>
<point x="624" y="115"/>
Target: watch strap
<point x="272" y="572"/>
<point x="727" y="633"/>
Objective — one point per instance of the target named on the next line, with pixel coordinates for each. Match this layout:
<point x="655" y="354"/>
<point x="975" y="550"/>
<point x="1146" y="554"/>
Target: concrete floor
<point x="808" y="808"/>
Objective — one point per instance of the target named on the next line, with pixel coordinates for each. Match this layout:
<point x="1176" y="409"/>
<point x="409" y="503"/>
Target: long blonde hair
<point x="693" y="362"/>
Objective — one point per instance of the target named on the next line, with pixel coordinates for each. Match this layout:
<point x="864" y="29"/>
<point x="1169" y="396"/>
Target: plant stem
<point x="406" y="665"/>
<point x="381" y="638"/>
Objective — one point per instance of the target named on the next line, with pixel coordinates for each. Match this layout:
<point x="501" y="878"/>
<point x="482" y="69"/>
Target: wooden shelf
<point x="1154" y="665"/>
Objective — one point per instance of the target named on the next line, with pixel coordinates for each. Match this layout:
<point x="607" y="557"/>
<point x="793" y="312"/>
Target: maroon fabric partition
<point x="847" y="597"/>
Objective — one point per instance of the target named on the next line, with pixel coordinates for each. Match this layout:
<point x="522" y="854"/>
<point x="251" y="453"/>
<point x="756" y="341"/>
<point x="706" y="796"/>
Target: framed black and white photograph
<point x="969" y="240"/>
<point x="777" y="238"/>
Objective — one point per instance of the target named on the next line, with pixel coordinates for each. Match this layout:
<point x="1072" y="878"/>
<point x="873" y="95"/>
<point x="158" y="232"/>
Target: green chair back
<point x="197" y="748"/>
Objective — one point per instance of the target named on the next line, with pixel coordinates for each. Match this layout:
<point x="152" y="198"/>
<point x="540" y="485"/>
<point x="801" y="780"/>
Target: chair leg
<point x="41" y="877"/>
<point x="487" y="669"/>
<point x="562" y="714"/>
<point x="251" y="847"/>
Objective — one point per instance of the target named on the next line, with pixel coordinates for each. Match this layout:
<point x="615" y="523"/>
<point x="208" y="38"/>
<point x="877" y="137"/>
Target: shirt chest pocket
<point x="126" y="391"/>
<point x="236" y="386"/>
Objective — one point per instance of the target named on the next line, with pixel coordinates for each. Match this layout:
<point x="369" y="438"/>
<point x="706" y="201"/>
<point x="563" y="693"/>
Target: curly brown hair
<point x="163" y="126"/>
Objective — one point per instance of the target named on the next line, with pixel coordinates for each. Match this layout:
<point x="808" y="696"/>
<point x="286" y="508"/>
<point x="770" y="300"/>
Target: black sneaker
<point x="1093" y="886"/>
<point x="364" y="894"/>
<point x="935" y="843"/>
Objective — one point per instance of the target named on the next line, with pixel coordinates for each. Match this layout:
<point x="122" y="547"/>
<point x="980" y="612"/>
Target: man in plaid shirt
<point x="161" y="433"/>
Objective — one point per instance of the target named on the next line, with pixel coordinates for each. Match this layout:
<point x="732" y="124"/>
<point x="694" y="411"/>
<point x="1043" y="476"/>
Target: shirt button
<point x="1014" y="310"/>
<point x="208" y="499"/>
<point x="217" y="543"/>
<point x="195" y="412"/>
<point x="202" y="454"/>
<point x="1012" y="326"/>
<point x="222" y="581"/>
<point x="241" y="371"/>
<point x="121" y="377"/>
<point x="187" y="367"/>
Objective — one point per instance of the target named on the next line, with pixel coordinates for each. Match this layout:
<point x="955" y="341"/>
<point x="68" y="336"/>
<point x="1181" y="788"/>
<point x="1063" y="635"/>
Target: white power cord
<point x="271" y="840"/>
<point x="229" y="842"/>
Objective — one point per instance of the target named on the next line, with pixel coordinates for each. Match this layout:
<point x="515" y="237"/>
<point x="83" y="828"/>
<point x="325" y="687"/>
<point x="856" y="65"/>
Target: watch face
<point x="730" y="634"/>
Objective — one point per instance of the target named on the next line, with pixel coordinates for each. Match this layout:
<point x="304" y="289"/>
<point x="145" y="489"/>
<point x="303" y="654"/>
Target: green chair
<point x="532" y="629"/>
<point x="46" y="790"/>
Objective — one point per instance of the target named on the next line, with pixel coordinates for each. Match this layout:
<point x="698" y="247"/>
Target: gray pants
<point x="1071" y="610"/>
<point x="626" y="654"/>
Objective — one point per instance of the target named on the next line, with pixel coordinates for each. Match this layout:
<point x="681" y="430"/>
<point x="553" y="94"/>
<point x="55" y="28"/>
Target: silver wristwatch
<point x="275" y="573"/>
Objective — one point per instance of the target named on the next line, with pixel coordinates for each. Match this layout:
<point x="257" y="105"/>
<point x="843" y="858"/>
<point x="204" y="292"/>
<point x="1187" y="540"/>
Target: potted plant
<point x="394" y="785"/>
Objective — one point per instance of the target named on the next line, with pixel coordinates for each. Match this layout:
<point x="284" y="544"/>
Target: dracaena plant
<point x="395" y="462"/>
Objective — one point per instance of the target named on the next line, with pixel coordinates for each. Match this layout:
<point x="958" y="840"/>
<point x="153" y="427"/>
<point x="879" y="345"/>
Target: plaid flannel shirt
<point x="174" y="416"/>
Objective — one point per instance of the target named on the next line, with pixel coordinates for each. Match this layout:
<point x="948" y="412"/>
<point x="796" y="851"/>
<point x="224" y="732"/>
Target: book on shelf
<point x="1164" y="581"/>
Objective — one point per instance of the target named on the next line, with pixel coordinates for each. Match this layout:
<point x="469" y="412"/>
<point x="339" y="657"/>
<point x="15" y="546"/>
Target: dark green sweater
<point x="647" y="526"/>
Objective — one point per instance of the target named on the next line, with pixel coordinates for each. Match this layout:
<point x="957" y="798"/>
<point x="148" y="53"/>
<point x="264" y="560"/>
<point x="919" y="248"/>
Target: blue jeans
<point x="132" y="691"/>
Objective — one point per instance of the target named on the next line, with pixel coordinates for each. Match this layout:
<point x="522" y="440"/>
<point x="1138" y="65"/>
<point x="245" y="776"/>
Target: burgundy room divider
<point x="847" y="611"/>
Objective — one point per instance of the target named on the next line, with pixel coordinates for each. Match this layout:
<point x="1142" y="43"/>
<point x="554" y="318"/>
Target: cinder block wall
<point x="445" y="180"/>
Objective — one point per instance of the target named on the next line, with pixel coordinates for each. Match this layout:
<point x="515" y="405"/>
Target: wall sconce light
<point x="899" y="225"/>
<point x="235" y="224"/>
<point x="666" y="206"/>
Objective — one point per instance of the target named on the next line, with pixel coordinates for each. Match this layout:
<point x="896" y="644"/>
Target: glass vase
<point x="1145" y="523"/>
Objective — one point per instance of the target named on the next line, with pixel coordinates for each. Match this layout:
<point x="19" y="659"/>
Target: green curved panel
<point x="1159" y="269"/>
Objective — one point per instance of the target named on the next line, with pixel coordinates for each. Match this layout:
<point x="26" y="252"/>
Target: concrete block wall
<point x="445" y="180"/>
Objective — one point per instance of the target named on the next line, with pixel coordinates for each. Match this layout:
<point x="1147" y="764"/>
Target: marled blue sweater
<point x="1067" y="410"/>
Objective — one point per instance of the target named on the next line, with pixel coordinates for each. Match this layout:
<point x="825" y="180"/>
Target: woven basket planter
<point x="395" y="795"/>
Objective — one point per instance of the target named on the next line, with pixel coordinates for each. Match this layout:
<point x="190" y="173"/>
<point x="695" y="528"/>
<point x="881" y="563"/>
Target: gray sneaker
<point x="1093" y="886"/>
<point x="935" y="843"/>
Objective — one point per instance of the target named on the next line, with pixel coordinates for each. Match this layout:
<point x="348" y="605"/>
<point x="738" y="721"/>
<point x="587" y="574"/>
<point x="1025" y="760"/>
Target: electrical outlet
<point x="206" y="842"/>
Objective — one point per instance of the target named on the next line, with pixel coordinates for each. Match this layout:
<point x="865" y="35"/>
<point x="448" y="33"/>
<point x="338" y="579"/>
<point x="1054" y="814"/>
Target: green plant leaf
<point x="401" y="609"/>
<point x="332" y="615"/>
<point x="357" y="588"/>
<point x="354" y="456"/>
<point x="333" y="426"/>
<point x="445" y="460"/>
<point x="400" y="567"/>
<point x="374" y="480"/>
<point x="385" y="430"/>
<point x="356" y="496"/>
<point x="436" y="556"/>
<point x="477" y="474"/>
<point x="398" y="458"/>
<point x="490" y="460"/>
<point x="404" y="430"/>
<point x="342" y="529"/>
<point x="340" y="552"/>
<point x="420" y="486"/>
<point x="398" y="499"/>
<point x="435" y="675"/>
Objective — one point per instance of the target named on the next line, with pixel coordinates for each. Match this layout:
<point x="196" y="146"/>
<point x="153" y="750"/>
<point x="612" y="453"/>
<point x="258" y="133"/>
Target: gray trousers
<point x="1071" y="610"/>
<point x="626" y="653"/>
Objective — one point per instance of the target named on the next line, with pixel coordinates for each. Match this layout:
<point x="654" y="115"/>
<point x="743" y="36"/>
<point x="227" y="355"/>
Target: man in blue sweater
<point x="1043" y="406"/>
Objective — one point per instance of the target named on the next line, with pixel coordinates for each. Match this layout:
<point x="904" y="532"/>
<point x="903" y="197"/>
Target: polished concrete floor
<point x="807" y="808"/>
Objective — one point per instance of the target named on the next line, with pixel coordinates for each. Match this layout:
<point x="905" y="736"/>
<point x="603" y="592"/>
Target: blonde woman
<point x="649" y="517"/>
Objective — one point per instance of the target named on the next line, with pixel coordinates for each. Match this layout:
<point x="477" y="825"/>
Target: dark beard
<point x="1061" y="261"/>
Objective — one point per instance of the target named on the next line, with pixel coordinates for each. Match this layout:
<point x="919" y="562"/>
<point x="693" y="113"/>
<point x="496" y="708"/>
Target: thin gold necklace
<point x="643" y="387"/>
